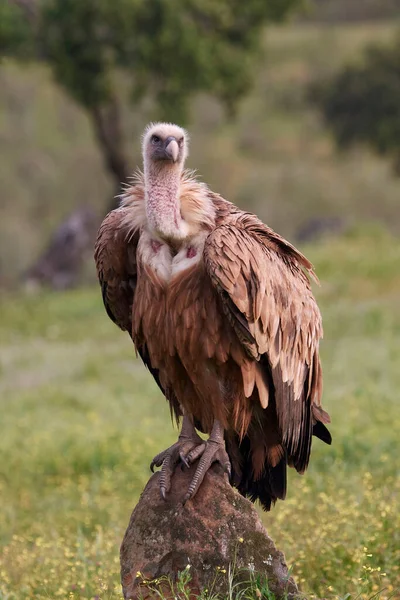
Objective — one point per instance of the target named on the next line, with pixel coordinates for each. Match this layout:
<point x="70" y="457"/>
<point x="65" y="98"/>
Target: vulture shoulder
<point x="263" y="283"/>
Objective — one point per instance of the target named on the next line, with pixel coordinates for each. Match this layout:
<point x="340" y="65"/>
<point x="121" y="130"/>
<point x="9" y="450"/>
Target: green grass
<point x="240" y="584"/>
<point x="81" y="420"/>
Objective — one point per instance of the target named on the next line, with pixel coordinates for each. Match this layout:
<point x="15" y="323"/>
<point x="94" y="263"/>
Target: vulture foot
<point x="209" y="452"/>
<point x="187" y="443"/>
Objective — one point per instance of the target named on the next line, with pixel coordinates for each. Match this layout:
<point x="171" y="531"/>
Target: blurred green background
<point x="81" y="417"/>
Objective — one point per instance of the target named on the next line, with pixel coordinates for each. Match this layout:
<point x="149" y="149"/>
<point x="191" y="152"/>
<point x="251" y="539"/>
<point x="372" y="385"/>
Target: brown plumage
<point x="221" y="311"/>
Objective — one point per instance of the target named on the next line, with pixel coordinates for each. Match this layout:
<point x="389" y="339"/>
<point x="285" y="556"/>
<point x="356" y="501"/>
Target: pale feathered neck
<point x="162" y="200"/>
<point x="196" y="206"/>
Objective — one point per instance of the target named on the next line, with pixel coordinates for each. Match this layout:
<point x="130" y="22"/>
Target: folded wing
<point x="263" y="282"/>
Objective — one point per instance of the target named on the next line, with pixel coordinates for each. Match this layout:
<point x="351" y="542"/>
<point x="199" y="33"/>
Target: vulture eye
<point x="180" y="141"/>
<point x="155" y="139"/>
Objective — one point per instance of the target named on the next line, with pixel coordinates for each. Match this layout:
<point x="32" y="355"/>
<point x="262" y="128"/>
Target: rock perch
<point x="217" y="530"/>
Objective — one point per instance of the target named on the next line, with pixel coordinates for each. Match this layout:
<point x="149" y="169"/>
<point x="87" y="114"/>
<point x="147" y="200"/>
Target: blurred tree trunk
<point x="108" y="130"/>
<point x="60" y="264"/>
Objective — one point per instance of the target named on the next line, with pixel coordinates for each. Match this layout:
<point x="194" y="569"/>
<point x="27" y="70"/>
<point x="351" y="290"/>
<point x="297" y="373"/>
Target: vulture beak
<point x="171" y="148"/>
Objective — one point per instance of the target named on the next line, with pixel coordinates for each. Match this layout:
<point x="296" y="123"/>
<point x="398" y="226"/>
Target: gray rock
<point x="216" y="531"/>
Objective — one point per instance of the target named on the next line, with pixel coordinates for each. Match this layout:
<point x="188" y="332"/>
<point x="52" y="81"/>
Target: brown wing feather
<point x="266" y="294"/>
<point x="115" y="259"/>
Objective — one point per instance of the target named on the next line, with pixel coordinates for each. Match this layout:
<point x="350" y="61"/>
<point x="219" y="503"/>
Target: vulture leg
<point x="213" y="450"/>
<point x="169" y="458"/>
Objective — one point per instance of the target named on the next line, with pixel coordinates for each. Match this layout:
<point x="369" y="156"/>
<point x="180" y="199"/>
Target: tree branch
<point x="29" y="8"/>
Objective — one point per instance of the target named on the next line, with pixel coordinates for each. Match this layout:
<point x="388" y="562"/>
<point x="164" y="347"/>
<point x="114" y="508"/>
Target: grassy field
<point x="81" y="420"/>
<point x="80" y="416"/>
<point x="276" y="157"/>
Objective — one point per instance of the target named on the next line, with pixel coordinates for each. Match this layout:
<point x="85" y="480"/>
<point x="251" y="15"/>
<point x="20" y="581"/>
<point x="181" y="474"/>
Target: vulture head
<point x="164" y="144"/>
<point x="165" y="148"/>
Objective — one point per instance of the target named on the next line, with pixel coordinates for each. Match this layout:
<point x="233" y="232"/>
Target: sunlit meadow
<point x="81" y="419"/>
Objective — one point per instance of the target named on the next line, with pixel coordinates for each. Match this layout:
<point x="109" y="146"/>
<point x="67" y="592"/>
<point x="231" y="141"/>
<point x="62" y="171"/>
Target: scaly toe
<point x="194" y="454"/>
<point x="210" y="452"/>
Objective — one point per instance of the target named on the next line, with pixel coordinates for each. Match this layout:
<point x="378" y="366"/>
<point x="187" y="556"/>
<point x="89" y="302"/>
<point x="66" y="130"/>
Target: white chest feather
<point x="167" y="264"/>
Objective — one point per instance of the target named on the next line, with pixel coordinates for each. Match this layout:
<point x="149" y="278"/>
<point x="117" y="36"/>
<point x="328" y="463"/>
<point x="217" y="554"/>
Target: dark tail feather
<point x="321" y="432"/>
<point x="269" y="487"/>
<point x="278" y="480"/>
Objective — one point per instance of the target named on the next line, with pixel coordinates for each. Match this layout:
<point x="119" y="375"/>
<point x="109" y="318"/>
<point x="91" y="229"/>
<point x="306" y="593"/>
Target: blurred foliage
<point x="16" y="36"/>
<point x="275" y="159"/>
<point x="362" y="102"/>
<point x="170" y="49"/>
<point x="165" y="51"/>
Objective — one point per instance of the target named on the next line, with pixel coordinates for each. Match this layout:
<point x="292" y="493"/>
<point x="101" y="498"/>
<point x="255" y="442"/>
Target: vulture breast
<point x="177" y="316"/>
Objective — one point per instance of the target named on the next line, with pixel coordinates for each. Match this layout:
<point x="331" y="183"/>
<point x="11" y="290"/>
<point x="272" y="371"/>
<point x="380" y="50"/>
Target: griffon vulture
<point x="220" y="309"/>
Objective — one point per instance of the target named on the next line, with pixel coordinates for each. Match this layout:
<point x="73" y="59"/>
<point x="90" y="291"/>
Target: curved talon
<point x="158" y="460"/>
<point x="184" y="460"/>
